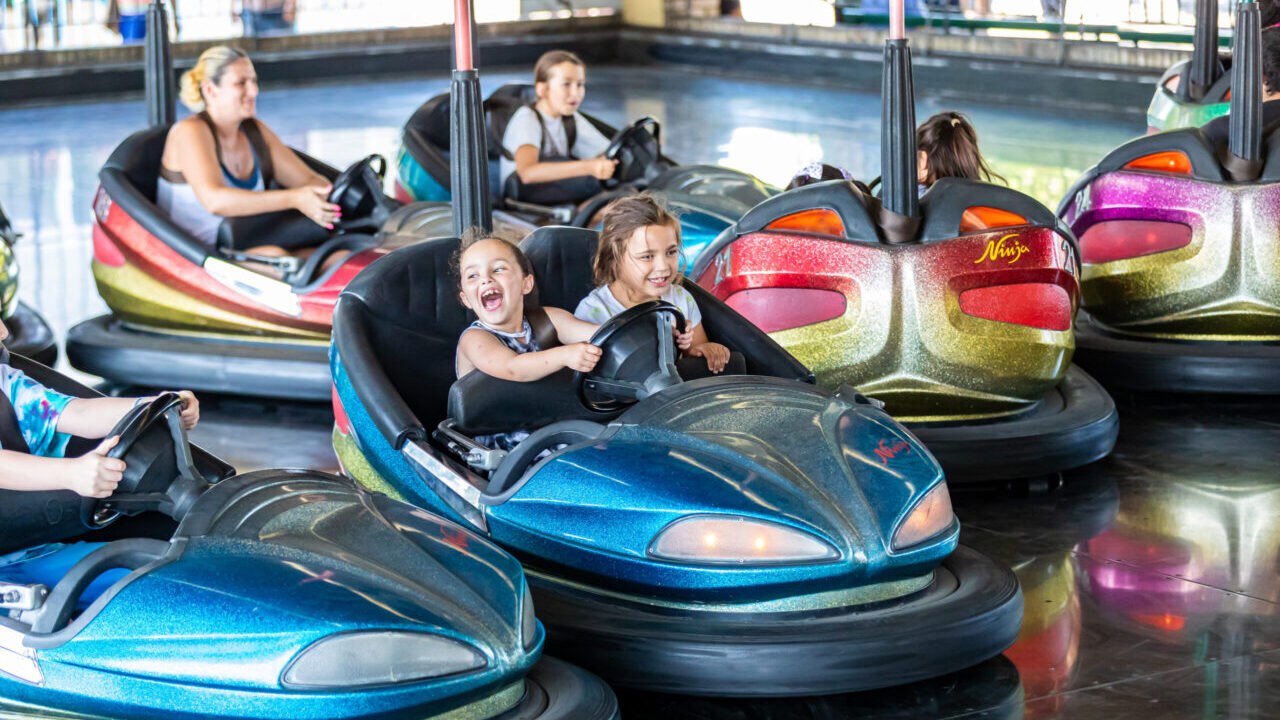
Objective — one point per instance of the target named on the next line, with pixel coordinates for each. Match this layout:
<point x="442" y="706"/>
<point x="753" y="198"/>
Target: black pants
<point x="569" y="191"/>
<point x="694" y="368"/>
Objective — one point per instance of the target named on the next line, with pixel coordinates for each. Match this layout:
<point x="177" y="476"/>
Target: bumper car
<point x="708" y="198"/>
<point x="29" y="333"/>
<point x="1196" y="90"/>
<point x="1179" y="278"/>
<point x="955" y="309"/>
<point x="271" y="594"/>
<point x="742" y="536"/>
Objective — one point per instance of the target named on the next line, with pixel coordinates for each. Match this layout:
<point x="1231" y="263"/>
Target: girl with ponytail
<point x="947" y="146"/>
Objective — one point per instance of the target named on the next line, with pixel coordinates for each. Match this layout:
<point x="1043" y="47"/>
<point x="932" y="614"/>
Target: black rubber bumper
<point x="556" y="690"/>
<point x="30" y="336"/>
<point x="104" y="347"/>
<point x="1177" y="366"/>
<point x="1074" y="424"/>
<point x="970" y="613"/>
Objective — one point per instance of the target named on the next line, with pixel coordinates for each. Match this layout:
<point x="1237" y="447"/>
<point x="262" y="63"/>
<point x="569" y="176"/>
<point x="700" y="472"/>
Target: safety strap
<point x="10" y="431"/>
<point x="544" y="331"/>
<point x="570" y="133"/>
<point x="257" y="142"/>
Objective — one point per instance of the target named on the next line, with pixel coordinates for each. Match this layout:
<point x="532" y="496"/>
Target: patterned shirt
<point x="38" y="409"/>
<point x="600" y="305"/>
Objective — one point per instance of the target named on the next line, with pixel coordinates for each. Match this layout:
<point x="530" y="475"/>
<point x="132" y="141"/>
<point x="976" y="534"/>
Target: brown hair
<point x="621" y="219"/>
<point x="474" y="235"/>
<point x="550" y="59"/>
<point x="950" y="143"/>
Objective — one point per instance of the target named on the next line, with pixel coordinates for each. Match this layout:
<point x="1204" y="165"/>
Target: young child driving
<point x="638" y="259"/>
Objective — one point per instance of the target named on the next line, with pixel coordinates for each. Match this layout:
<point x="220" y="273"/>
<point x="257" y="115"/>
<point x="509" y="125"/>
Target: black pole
<point x="158" y="67"/>
<point x="468" y="149"/>
<point x="1206" y="65"/>
<point x="1246" y="93"/>
<point x="898" y="132"/>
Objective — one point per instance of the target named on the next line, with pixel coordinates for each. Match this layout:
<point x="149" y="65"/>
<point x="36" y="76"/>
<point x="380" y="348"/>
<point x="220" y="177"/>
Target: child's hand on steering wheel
<point x="581" y="357"/>
<point x="602" y="168"/>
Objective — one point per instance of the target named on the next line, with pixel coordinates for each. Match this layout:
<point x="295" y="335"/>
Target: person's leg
<point x="570" y="191"/>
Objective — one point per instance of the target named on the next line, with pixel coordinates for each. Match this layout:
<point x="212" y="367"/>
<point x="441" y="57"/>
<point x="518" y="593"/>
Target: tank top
<point x="520" y="343"/>
<point x="177" y="198"/>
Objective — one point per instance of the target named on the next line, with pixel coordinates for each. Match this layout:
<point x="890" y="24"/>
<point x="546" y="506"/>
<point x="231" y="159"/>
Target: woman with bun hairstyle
<point x="551" y="154"/>
<point x="221" y="162"/>
<point x="947" y="146"/>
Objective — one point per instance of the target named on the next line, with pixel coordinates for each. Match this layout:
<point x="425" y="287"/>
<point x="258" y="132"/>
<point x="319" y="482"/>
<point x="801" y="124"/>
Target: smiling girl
<point x="638" y="260"/>
<point x="550" y="151"/>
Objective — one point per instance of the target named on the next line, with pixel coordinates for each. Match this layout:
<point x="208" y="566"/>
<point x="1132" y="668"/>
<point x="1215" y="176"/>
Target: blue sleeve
<point x="38" y="409"/>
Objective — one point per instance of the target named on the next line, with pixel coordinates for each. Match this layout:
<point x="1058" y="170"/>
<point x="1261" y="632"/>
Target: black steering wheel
<point x="159" y="471"/>
<point x="358" y="190"/>
<point x="638" y="358"/>
<point x="637" y="147"/>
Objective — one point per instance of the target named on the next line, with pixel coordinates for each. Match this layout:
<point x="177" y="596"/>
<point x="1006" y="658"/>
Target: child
<point x="947" y="146"/>
<point x="494" y="276"/>
<point x="550" y="151"/>
<point x="47" y="419"/>
<point x="638" y="259"/>
<point x="817" y="172"/>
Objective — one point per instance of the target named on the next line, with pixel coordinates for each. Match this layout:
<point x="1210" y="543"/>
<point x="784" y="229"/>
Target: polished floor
<point x="1151" y="579"/>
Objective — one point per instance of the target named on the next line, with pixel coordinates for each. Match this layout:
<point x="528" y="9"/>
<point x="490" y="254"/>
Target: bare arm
<point x="90" y="475"/>
<point x="481" y="351"/>
<point x="197" y="159"/>
<point x="532" y="171"/>
<point x="569" y="328"/>
<point x="94" y="417"/>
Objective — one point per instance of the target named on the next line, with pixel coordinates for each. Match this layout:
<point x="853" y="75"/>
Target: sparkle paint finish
<point x="903" y="338"/>
<point x="744" y="449"/>
<point x="1169" y="112"/>
<point x="8" y="280"/>
<point x="275" y="561"/>
<point x="1224" y="286"/>
<point x="182" y="295"/>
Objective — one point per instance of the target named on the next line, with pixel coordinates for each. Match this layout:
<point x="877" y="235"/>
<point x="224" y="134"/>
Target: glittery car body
<point x="973" y="322"/>
<point x="1171" y="111"/>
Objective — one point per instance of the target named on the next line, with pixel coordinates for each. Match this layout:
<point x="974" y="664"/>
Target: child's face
<point x="493" y="285"/>
<point x="651" y="261"/>
<point x="564" y="89"/>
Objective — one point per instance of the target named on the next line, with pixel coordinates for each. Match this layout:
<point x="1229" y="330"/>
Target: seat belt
<point x="544" y="331"/>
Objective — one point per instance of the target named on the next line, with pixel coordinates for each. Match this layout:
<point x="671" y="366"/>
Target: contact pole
<point x="157" y="71"/>
<point x="468" y="149"/>
<point x="898" y="132"/>
<point x="897" y="19"/>
<point x="1244" y="144"/>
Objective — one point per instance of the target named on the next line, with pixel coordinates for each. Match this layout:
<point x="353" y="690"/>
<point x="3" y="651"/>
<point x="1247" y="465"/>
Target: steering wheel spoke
<point x="637" y="358"/>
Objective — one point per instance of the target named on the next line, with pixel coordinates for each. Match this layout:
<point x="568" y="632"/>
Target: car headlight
<point x="528" y="620"/>
<point x="726" y="539"/>
<point x="379" y="658"/>
<point x="931" y="515"/>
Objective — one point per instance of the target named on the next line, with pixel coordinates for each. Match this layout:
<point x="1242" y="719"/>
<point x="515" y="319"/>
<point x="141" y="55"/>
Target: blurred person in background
<point x="128" y="18"/>
<point x="268" y="17"/>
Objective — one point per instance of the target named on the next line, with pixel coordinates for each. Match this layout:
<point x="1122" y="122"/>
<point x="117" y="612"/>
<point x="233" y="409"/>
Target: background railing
<point x="61" y="24"/>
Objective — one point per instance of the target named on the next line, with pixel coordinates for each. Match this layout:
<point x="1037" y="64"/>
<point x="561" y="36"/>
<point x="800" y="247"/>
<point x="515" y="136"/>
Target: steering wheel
<point x="630" y="147"/>
<point x="358" y="189"/>
<point x="638" y="358"/>
<point x="159" y="470"/>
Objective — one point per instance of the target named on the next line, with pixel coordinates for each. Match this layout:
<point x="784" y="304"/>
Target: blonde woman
<point x="221" y="161"/>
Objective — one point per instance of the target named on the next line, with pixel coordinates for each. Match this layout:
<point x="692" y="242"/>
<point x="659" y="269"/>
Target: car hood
<point x="269" y="562"/>
<point x="755" y="447"/>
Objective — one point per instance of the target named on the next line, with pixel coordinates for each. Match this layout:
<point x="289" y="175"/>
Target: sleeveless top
<point x="177" y="198"/>
<point x="525" y="341"/>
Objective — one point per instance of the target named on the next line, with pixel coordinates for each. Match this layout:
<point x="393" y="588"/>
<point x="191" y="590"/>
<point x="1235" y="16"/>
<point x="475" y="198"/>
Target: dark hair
<point x="474" y="235"/>
<point x="621" y="219"/>
<point x="1271" y="59"/>
<point x="1269" y="12"/>
<point x="950" y="143"/>
<point x="550" y="59"/>
<point x="816" y="172"/>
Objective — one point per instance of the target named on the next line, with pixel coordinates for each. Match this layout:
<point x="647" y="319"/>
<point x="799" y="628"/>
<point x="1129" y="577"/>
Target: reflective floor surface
<point x="1151" y="579"/>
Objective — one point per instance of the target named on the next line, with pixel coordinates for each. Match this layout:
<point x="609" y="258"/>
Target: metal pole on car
<point x="1244" y="160"/>
<point x="468" y="149"/>
<point x="898" y="122"/>
<point x="1206" y="66"/>
<point x="158" y="67"/>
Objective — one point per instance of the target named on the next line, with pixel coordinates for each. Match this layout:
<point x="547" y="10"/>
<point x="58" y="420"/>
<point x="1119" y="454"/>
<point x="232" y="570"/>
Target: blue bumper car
<point x="271" y="594"/>
<point x="709" y="198"/>
<point x="741" y="536"/>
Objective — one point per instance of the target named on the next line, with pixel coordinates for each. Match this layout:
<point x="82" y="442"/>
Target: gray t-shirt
<point x="600" y="305"/>
<point x="524" y="129"/>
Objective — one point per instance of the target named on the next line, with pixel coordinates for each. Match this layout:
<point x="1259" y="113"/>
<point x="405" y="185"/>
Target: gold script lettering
<point x="1001" y="249"/>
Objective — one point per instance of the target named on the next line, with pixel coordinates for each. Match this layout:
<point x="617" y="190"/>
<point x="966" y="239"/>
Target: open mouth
<point x="491" y="299"/>
<point x="660" y="282"/>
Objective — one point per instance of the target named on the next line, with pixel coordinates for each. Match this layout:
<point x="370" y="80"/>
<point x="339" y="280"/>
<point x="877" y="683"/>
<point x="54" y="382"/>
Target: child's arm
<point x="569" y="328"/>
<point x="94" y="417"/>
<point x="531" y="170"/>
<point x="717" y="355"/>
<point x="485" y="353"/>
<point x="91" y="475"/>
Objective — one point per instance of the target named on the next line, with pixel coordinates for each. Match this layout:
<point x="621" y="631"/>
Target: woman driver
<point x="544" y="143"/>
<point x="219" y="162"/>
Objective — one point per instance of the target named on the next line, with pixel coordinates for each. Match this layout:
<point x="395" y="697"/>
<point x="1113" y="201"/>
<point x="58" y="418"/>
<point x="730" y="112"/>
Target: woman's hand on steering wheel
<point x="602" y="168"/>
<point x="313" y="201"/>
<point x="93" y="474"/>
